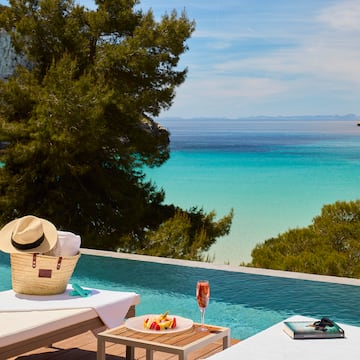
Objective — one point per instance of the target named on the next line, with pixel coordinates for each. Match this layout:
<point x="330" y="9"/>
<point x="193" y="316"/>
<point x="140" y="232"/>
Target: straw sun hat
<point x="28" y="234"/>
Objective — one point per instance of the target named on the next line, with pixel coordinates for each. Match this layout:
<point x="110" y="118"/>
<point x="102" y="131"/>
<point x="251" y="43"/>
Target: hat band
<point x="27" y="246"/>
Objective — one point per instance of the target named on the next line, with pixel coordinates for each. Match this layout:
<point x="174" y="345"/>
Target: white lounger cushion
<point x="19" y="326"/>
<point x="274" y="344"/>
<point x="110" y="306"/>
<point x="29" y="322"/>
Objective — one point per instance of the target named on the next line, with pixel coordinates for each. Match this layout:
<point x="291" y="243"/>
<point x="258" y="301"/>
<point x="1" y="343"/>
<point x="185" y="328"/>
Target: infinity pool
<point x="247" y="303"/>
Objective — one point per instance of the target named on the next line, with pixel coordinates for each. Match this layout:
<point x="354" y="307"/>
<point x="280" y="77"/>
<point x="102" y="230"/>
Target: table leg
<point x="226" y="342"/>
<point x="129" y="353"/>
<point x="149" y="354"/>
<point x="100" y="349"/>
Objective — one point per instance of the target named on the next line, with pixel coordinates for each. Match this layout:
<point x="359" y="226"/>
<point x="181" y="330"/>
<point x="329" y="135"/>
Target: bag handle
<point x="58" y="265"/>
<point x="34" y="261"/>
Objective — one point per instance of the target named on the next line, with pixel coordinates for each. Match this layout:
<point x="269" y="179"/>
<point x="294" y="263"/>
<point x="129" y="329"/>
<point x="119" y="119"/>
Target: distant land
<point x="280" y="117"/>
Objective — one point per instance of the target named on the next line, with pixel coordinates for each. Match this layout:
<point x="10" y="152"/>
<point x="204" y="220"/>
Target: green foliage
<point x="329" y="246"/>
<point x="78" y="122"/>
<point x="187" y="235"/>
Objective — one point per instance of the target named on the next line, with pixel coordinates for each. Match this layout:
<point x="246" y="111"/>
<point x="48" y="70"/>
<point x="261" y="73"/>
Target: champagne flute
<point x="202" y="296"/>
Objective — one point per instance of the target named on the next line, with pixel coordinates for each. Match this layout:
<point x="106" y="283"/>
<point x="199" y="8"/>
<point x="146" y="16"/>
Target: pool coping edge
<point x="230" y="268"/>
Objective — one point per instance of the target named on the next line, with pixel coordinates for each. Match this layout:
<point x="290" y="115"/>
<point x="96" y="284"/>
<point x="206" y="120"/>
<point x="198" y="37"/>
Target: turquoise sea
<point x="275" y="173"/>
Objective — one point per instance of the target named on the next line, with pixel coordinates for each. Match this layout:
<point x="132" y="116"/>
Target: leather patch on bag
<point x="45" y="273"/>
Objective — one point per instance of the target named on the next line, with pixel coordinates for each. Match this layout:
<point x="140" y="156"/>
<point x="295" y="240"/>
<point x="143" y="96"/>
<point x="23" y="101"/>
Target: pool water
<point x="246" y="303"/>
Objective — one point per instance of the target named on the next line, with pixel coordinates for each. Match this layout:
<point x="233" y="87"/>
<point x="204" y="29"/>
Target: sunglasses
<point x="321" y="324"/>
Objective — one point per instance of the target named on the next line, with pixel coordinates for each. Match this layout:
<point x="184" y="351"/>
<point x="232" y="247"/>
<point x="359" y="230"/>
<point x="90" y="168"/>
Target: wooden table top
<point x="176" y="339"/>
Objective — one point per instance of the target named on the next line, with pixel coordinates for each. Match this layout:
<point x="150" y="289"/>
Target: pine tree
<point x="78" y="120"/>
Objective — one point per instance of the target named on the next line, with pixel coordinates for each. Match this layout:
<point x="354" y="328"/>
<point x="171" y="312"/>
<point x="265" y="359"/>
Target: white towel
<point x="68" y="244"/>
<point x="111" y="306"/>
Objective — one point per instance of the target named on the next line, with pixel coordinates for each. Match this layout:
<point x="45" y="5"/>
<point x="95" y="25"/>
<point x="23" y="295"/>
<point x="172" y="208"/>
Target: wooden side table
<point x="180" y="344"/>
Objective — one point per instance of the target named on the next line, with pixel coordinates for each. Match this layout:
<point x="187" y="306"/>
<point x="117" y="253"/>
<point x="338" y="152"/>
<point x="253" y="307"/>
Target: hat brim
<point x="50" y="238"/>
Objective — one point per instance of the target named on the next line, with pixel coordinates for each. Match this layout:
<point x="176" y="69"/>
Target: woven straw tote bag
<point x="36" y="274"/>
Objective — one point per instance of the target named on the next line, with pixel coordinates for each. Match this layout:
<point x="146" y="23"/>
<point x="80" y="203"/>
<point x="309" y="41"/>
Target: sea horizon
<point x="275" y="172"/>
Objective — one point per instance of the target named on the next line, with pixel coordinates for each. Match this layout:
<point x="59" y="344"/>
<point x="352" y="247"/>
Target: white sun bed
<point x="25" y="330"/>
<point x="274" y="344"/>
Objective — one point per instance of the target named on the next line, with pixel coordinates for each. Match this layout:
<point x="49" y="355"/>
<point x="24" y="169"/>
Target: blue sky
<point x="267" y="57"/>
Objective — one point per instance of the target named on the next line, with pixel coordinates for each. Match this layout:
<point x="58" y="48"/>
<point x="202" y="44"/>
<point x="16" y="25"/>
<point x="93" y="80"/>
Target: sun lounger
<point x="274" y="344"/>
<point x="23" y="331"/>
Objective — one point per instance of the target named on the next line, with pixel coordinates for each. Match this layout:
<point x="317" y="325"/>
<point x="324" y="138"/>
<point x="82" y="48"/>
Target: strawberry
<point x="173" y="323"/>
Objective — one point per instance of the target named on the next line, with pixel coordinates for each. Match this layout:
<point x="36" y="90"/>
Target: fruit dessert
<point x="160" y="322"/>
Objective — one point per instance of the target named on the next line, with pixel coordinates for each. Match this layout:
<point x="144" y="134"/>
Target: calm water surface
<point x="246" y="303"/>
<point x="275" y="174"/>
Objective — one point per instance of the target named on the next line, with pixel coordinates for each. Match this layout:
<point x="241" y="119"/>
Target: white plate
<point x="137" y="324"/>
